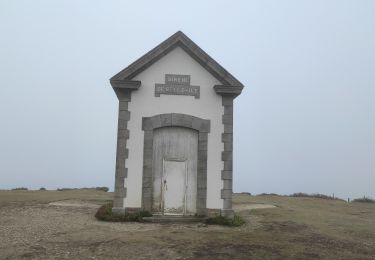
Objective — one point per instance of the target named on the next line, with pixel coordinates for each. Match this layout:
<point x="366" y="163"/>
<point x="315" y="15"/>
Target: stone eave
<point x="179" y="39"/>
<point x="228" y="90"/>
<point x="121" y="87"/>
<point x="125" y="84"/>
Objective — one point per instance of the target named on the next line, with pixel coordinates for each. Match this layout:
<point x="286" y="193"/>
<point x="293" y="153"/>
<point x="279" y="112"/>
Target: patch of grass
<point x="224" y="221"/>
<point x="364" y="200"/>
<point x="105" y="213"/>
<point x="237" y="221"/>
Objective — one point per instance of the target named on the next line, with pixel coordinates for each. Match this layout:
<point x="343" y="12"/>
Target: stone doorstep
<point x="173" y="219"/>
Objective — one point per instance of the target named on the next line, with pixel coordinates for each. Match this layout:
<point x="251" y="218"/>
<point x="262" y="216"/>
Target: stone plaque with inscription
<point x="177" y="85"/>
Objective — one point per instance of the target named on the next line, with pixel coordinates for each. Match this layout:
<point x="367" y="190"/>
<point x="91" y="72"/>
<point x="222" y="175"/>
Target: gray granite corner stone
<point x="124" y="115"/>
<point x="228" y="129"/>
<point x="123" y="105"/>
<point x="227" y="137"/>
<point x="123" y="174"/>
<point x="226" y="193"/>
<point x="226" y="155"/>
<point x="123" y="134"/>
<point x="226" y="175"/>
<point x="122" y="192"/>
<point x="228" y="184"/>
<point x="227" y="119"/>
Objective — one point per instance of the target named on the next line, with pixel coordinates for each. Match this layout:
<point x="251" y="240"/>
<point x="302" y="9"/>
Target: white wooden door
<point x="174" y="187"/>
<point x="174" y="147"/>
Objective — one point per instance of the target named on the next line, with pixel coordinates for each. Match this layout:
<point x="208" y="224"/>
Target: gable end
<point x="179" y="39"/>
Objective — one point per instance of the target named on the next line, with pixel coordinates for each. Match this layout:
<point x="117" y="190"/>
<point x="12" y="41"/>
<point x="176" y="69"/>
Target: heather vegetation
<point x="364" y="200"/>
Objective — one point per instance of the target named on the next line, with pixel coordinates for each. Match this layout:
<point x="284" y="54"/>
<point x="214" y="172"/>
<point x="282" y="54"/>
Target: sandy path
<point x="78" y="203"/>
<point x="251" y="206"/>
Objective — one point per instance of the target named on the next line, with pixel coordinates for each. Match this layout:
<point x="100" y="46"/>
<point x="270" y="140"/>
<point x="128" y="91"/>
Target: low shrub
<point x="364" y="200"/>
<point x="42" y="188"/>
<point x="218" y="220"/>
<point x="224" y="221"/>
<point x="268" y="194"/>
<point x="314" y="195"/>
<point x="105" y="189"/>
<point x="20" y="188"/>
<point x="64" y="189"/>
<point x="104" y="213"/>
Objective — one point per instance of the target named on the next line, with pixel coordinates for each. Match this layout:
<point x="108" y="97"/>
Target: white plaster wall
<point x="144" y="104"/>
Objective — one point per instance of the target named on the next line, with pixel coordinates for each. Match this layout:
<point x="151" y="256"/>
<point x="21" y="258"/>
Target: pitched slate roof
<point x="179" y="39"/>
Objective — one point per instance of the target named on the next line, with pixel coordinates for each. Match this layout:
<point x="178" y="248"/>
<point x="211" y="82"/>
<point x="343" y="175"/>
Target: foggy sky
<point x="304" y="122"/>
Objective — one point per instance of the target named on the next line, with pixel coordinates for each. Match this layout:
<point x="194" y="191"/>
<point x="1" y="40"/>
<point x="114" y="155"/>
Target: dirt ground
<point x="61" y="225"/>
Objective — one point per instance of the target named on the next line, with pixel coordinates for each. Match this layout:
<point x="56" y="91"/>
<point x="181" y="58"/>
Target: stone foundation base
<point x="118" y="211"/>
<point x="122" y="211"/>
<point x="213" y="213"/>
<point x="229" y="213"/>
<point x="132" y="210"/>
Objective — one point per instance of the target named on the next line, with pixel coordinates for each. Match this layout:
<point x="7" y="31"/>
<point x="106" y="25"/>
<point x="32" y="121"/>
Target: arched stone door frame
<point x="149" y="124"/>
